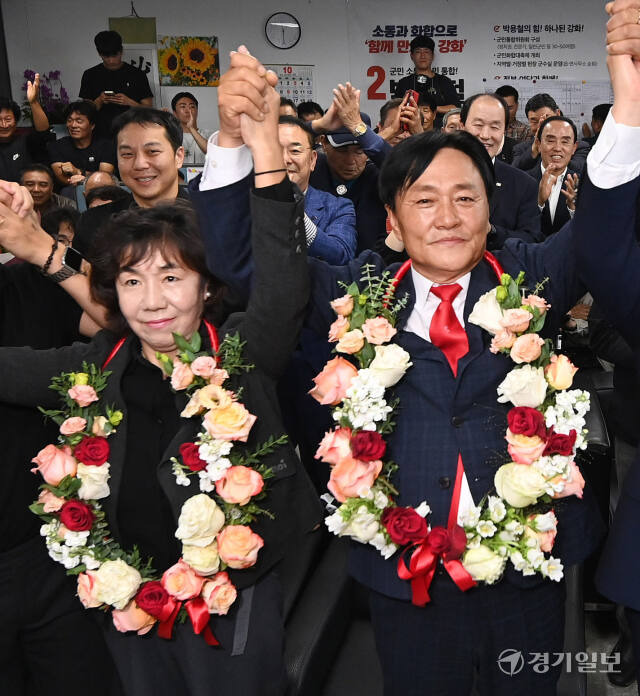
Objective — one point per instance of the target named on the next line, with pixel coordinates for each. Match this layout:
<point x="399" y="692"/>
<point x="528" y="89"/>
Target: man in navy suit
<point x="557" y="183"/>
<point x="609" y="258"/>
<point x="513" y="211"/>
<point x="437" y="190"/>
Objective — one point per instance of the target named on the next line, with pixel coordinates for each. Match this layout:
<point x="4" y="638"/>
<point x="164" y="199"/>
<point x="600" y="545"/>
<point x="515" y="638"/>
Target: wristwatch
<point x="71" y="265"/>
<point x="360" y="129"/>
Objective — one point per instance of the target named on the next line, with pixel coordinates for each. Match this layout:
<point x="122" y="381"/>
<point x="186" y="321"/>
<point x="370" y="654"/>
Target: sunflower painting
<point x="189" y="60"/>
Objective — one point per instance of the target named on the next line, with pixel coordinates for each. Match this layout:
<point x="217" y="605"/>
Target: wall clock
<point x="282" y="30"/>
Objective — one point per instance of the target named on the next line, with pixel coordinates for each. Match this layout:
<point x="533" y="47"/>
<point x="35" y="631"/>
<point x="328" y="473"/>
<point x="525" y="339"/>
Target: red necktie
<point x="445" y="331"/>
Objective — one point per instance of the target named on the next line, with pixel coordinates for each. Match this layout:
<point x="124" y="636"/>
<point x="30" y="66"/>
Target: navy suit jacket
<point x="439" y="415"/>
<point x="514" y="208"/>
<point x="335" y="219"/>
<point x="608" y="258"/>
<point x="562" y="212"/>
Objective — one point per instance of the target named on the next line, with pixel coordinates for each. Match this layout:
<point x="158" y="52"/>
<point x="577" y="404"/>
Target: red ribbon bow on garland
<point x="198" y="613"/>
<point x="440" y="542"/>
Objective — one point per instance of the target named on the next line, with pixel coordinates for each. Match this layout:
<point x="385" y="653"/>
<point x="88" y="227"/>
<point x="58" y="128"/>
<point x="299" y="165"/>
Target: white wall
<point x="58" y="34"/>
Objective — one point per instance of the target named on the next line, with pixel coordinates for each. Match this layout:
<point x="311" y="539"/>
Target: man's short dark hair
<point x="422" y="42"/>
<point x="108" y="43"/>
<point x="600" y="112"/>
<point x="428" y="100"/>
<point x="128" y="237"/>
<point x="389" y="106"/>
<point x="539" y="101"/>
<point x="145" y="115"/>
<point x="505" y="91"/>
<point x="84" y="107"/>
<point x="182" y="95"/>
<point x="408" y="160"/>
<point x="52" y="220"/>
<point x="464" y="112"/>
<point x="557" y="118"/>
<point x="287" y="102"/>
<point x="294" y="121"/>
<point x="113" y="194"/>
<point x="37" y="167"/>
<point x="309" y="107"/>
<point x="10" y="105"/>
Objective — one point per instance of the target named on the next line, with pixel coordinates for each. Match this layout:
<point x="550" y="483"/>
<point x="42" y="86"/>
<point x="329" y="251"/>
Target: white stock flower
<point x="94" y="481"/>
<point x="514" y="527"/>
<point x="552" y="568"/>
<point x="335" y="523"/>
<point x="486" y="528"/>
<point x="518" y="561"/>
<point x="390" y="364"/>
<point x="472" y="517"/>
<point x="523" y="386"/>
<point x="387" y="549"/>
<point x="380" y="500"/>
<point x="535" y="557"/>
<point x="497" y="509"/>
<point x="90" y="562"/>
<point x="423" y="509"/>
<point x="362" y="526"/>
<point x="200" y="520"/>
<point x="486" y="313"/>
<point x="117" y="582"/>
<point x="545" y="523"/>
<point x="75" y="539"/>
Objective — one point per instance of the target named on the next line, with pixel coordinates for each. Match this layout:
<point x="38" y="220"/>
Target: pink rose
<point x="559" y="372"/>
<point x="349" y="477"/>
<point x="351" y="342"/>
<point x="181" y="377"/>
<point x="182" y="581"/>
<point x="132" y="618"/>
<point x="232" y="422"/>
<point x="218" y="377"/>
<point x="83" y="394"/>
<point x="516" y="320"/>
<point x="378" y="331"/>
<point x="523" y="449"/>
<point x="338" y="329"/>
<point x="219" y="593"/>
<point x="55" y="463"/>
<point x="573" y="486"/>
<point x="503" y="339"/>
<point x="238" y="546"/>
<point x="204" y="366"/>
<point x="73" y="425"/>
<point x="334" y="446"/>
<point x="88" y="590"/>
<point x="343" y="306"/>
<point x="535" y="301"/>
<point x="526" y="348"/>
<point x="334" y="380"/>
<point x="239" y="484"/>
<point x="51" y="502"/>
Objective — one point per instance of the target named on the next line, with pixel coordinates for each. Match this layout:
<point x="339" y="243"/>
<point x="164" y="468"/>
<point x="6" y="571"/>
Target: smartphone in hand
<point x="405" y="100"/>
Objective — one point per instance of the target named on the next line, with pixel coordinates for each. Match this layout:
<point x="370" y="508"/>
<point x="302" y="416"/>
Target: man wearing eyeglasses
<point x="329" y="221"/>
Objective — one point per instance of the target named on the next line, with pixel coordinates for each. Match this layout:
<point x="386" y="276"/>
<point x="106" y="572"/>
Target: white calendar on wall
<point x="295" y="82"/>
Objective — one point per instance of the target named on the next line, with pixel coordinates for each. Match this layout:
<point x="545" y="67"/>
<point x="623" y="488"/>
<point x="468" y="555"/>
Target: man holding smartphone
<point x="113" y="85"/>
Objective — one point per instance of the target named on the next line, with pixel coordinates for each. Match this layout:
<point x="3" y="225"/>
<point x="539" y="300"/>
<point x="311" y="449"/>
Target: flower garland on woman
<point x="546" y="428"/>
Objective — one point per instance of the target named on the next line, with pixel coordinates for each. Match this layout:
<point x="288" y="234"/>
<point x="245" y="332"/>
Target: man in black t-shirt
<point x="73" y="158"/>
<point x="425" y="81"/>
<point x="113" y="86"/>
<point x="18" y="151"/>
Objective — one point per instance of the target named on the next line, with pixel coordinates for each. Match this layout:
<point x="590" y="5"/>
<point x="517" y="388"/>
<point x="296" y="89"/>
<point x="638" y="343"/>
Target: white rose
<point x="519" y="484"/>
<point x="523" y="386"/>
<point x="390" y="364"/>
<point x="117" y="582"/>
<point x="483" y="564"/>
<point x="486" y="313"/>
<point x="200" y="520"/>
<point x="203" y="559"/>
<point x="94" y="481"/>
<point x="363" y="526"/>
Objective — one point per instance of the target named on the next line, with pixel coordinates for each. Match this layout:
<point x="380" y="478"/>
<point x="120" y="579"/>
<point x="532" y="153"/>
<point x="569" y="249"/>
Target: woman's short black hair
<point x="408" y="160"/>
<point x="131" y="236"/>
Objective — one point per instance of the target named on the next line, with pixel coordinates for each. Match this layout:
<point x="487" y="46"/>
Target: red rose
<point x="76" y="516"/>
<point x="449" y="543"/>
<point x="92" y="451"/>
<point x="367" y="446"/>
<point x="560" y="444"/>
<point x="438" y="540"/>
<point x="404" y="525"/>
<point x="190" y="454"/>
<point x="152" y="598"/>
<point x="526" y="421"/>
